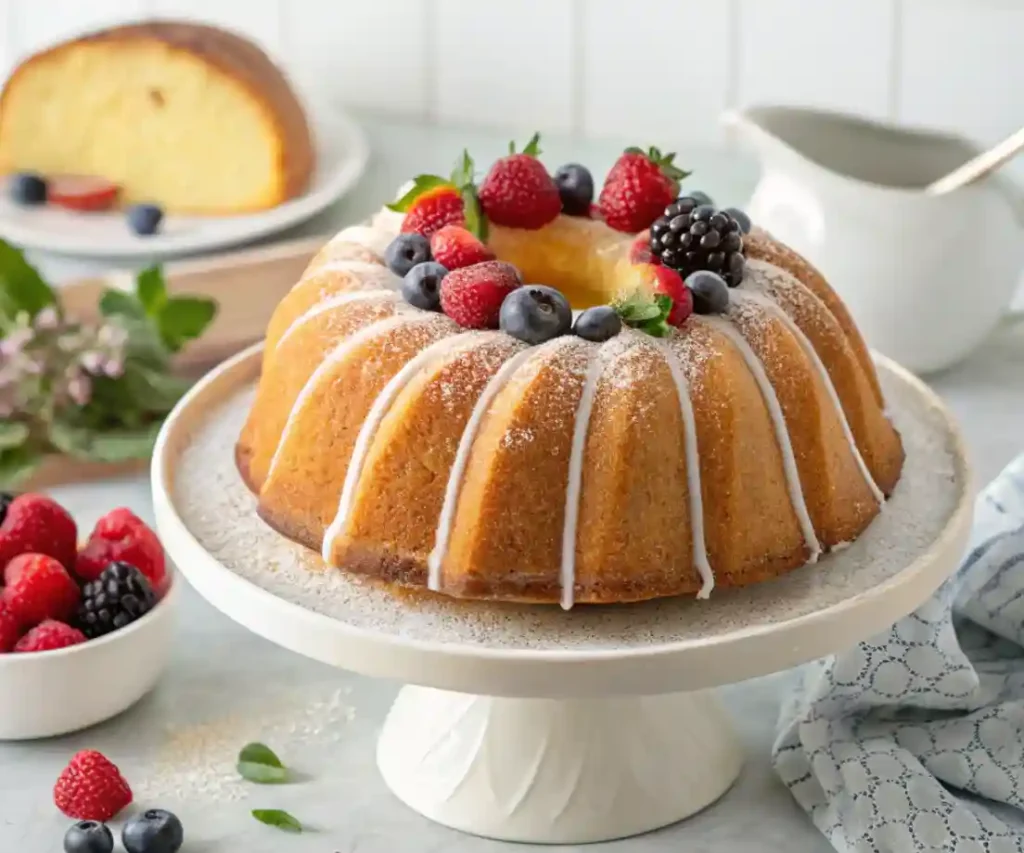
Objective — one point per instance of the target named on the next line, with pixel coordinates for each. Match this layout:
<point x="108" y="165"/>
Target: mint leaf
<point x="533" y="146"/>
<point x="278" y="818"/>
<point x="117" y="303"/>
<point x="258" y="763"/>
<point x="646" y="312"/>
<point x="21" y="286"/>
<point x="151" y="290"/>
<point x="17" y="464"/>
<point x="108" y="445"/>
<point x="420" y="185"/>
<point x="13" y="434"/>
<point x="152" y="390"/>
<point x="184" y="318"/>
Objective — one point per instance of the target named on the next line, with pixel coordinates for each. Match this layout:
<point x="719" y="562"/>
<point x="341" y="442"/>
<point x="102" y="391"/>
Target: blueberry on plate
<point x="144" y="219"/>
<point x="28" y="188"/>
<point x="406" y="251"/>
<point x="576" y="187"/>
<point x="535" y="313"/>
<point x="88" y="836"/>
<point x="710" y="292"/>
<point x="421" y="286"/>
<point x="153" y="831"/>
<point x="598" y="324"/>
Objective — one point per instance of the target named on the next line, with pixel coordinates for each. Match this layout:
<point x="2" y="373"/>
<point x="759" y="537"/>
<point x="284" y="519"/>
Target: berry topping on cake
<point x="454" y="247"/>
<point x="88" y="836"/>
<point x="639" y="186"/>
<point x="406" y="251"/>
<point x="153" y="831"/>
<point x="28" y="188"/>
<point x="698" y="197"/>
<point x="576" y="189"/>
<point x="640" y="249"/>
<point x="91" y="788"/>
<point x="472" y="296"/>
<point x="535" y="313"/>
<point x="49" y="635"/>
<point x="115" y="599"/>
<point x="82" y="192"/>
<point x="598" y="324"/>
<point x="121" y="536"/>
<point x="144" y="219"/>
<point x="10" y="628"/>
<point x="646" y="311"/>
<point x="421" y="286"/>
<point x="710" y="292"/>
<point x="518" y="192"/>
<point x="38" y="588"/>
<point x="741" y="217"/>
<point x="688" y="237"/>
<point x="433" y="202"/>
<point x="36" y="524"/>
<point x="671" y="284"/>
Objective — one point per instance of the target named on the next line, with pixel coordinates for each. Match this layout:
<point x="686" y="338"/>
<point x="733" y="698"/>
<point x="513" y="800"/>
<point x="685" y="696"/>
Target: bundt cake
<point x="683" y="403"/>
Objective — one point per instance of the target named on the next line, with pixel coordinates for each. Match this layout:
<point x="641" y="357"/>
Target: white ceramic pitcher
<point x="927" y="278"/>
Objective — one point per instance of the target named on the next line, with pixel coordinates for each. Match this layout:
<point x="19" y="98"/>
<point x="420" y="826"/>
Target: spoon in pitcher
<point x="980" y="166"/>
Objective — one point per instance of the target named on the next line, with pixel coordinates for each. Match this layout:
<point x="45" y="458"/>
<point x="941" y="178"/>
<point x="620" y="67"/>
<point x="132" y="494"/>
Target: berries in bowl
<point x="76" y="613"/>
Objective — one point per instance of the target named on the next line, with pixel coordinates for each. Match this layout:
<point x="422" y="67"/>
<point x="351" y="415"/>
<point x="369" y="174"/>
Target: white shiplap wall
<point x="647" y="69"/>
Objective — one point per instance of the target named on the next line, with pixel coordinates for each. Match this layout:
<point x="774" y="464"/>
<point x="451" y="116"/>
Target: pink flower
<point x="114" y="367"/>
<point x="47" y="319"/>
<point x="80" y="389"/>
<point x="15" y="342"/>
<point x="92" y="361"/>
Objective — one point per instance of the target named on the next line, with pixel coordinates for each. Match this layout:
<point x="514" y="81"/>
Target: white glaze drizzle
<point x="352" y="265"/>
<point x="367" y="236"/>
<point x="451" y="494"/>
<point x="796" y="492"/>
<point x="378" y="411"/>
<point x="700" y="551"/>
<point x="339" y="354"/>
<point x="334" y="301"/>
<point x="776" y="311"/>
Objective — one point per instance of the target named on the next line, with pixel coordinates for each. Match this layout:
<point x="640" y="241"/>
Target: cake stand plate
<point x="527" y="723"/>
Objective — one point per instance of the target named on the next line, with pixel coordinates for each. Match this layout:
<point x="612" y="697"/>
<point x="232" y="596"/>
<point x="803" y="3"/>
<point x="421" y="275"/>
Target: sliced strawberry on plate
<point x="82" y="192"/>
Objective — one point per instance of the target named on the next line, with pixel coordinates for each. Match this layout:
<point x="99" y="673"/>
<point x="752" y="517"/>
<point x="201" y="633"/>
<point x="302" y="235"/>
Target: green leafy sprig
<point x="279" y="819"/>
<point x="258" y="763"/>
<point x="646" y="312"/>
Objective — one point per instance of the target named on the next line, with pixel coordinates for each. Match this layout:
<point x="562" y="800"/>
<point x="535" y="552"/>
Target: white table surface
<point x="225" y="685"/>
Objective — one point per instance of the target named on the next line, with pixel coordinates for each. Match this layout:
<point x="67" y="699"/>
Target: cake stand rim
<point x="917" y="581"/>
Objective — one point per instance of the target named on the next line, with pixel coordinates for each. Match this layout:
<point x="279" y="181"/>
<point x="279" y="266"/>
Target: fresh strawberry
<point x="38" y="588"/>
<point x="121" y="536"/>
<point x="36" y="524"/>
<point x="49" y="635"/>
<point x="91" y="788"/>
<point x="638" y="188"/>
<point x="640" y="249"/>
<point x="82" y="192"/>
<point x="670" y="283"/>
<point x="10" y="628"/>
<point x="453" y="247"/>
<point x="433" y="202"/>
<point x="518" y="191"/>
<point x="472" y="296"/>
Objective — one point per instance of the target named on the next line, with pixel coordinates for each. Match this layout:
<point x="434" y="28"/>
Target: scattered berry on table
<point x="48" y="636"/>
<point x="153" y="831"/>
<point x="10" y="629"/>
<point x="121" y="536"/>
<point x="640" y="249"/>
<point x="28" y="188"/>
<point x="670" y="283"/>
<point x="434" y="208"/>
<point x="144" y="219"/>
<point x="710" y="292"/>
<point x="6" y="499"/>
<point x="741" y="217"/>
<point x="688" y="237"/>
<point x="638" y="187"/>
<point x="421" y="286"/>
<point x="536" y="313"/>
<point x="91" y="788"/>
<point x="698" y="197"/>
<point x="82" y="192"/>
<point x="36" y="524"/>
<point x="454" y="247"/>
<point x="406" y="251"/>
<point x="598" y="324"/>
<point x="472" y="296"/>
<point x="38" y="588"/>
<point x="518" y="192"/>
<point x="88" y="836"/>
<point x="576" y="189"/>
<point x="115" y="599"/>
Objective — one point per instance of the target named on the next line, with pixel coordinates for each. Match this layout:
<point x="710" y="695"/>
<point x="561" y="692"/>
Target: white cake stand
<point x="529" y="723"/>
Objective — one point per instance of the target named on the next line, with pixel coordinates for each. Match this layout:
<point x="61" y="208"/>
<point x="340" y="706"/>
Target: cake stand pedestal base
<point x="557" y="771"/>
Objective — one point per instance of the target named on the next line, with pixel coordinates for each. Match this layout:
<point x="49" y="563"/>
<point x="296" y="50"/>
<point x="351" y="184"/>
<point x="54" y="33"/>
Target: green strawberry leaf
<point x="278" y="818"/>
<point x="109" y="445"/>
<point x="462" y="174"/>
<point x="151" y="290"/>
<point x="476" y="221"/>
<point x="258" y="763"/>
<point x="17" y="464"/>
<point x="420" y="185"/>
<point x="183" y="319"/>
<point x="22" y="289"/>
<point x="13" y="434"/>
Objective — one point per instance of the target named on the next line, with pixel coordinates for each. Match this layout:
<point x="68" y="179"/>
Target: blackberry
<point x="691" y="236"/>
<point x="115" y="599"/>
<point x="6" y="499"/>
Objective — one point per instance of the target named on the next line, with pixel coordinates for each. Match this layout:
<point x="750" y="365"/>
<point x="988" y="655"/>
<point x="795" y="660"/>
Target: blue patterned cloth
<point x="914" y="740"/>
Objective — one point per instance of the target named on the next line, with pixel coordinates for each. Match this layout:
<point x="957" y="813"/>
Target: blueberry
<point x="535" y="313"/>
<point x="576" y="187"/>
<point x="699" y="198"/>
<point x="598" y="324"/>
<point x="406" y="251"/>
<point x="145" y="219"/>
<point x="88" y="836"/>
<point x="422" y="285"/>
<point x="153" y="831"/>
<point x="28" y="188"/>
<point x="710" y="292"/>
<point x="741" y="218"/>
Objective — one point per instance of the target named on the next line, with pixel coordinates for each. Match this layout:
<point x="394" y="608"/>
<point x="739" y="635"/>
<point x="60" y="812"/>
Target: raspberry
<point x="432" y="209"/>
<point x="453" y="247"/>
<point x="91" y="788"/>
<point x="638" y="188"/>
<point x="122" y="537"/>
<point x="49" y="635"/>
<point x="38" y="588"/>
<point x="36" y="524"/>
<point x="472" y="296"/>
<point x="518" y="192"/>
<point x="10" y="628"/>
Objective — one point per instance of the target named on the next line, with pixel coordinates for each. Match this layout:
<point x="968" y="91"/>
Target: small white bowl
<point x="53" y="693"/>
